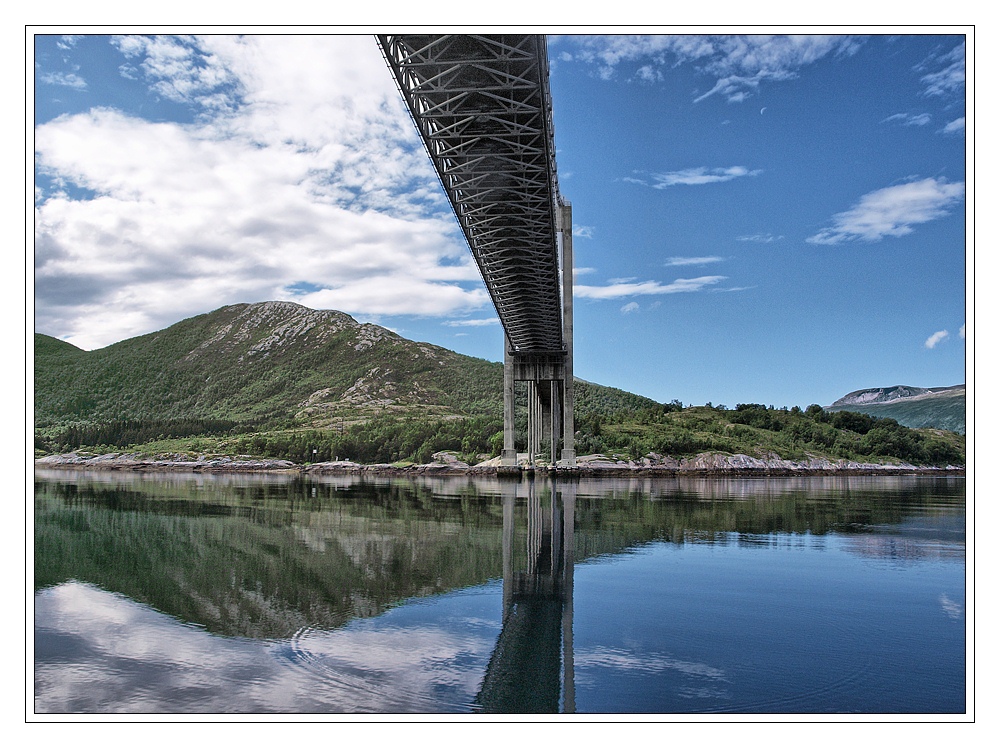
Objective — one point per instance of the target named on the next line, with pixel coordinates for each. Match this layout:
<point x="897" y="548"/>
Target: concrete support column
<point x="568" y="457"/>
<point x="555" y="413"/>
<point x="509" y="455"/>
<point x="531" y="422"/>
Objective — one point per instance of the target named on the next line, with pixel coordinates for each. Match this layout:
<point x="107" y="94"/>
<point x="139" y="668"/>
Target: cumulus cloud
<point x="738" y="63"/>
<point x="584" y="232"/>
<point x="645" y="288"/>
<point x="936" y="338"/>
<point x="632" y="306"/>
<point x="300" y="162"/>
<point x="892" y="211"/>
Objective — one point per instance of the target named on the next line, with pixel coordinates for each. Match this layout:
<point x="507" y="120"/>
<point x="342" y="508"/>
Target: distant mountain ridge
<point x="891" y="394"/>
<point x="916" y="407"/>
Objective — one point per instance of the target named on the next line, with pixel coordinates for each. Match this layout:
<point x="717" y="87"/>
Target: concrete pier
<point x="549" y="377"/>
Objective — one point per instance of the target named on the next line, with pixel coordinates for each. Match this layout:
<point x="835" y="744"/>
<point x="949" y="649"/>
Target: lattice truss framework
<point x="483" y="108"/>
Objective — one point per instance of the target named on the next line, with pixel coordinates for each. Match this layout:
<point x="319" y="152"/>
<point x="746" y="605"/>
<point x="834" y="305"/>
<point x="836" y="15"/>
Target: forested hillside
<point x="278" y="380"/>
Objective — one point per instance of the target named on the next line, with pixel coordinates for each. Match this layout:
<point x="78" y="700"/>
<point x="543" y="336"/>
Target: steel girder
<point x="482" y="106"/>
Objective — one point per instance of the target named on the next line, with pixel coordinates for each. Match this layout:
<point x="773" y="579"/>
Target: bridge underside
<point x="482" y="106"/>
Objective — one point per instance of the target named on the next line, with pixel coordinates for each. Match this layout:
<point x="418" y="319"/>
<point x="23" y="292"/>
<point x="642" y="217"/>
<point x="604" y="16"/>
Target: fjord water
<point x="194" y="593"/>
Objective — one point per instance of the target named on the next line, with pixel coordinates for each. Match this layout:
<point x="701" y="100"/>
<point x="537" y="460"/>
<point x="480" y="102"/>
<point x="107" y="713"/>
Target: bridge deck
<point x="483" y="108"/>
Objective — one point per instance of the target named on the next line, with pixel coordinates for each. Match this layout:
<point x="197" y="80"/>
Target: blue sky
<point x="774" y="219"/>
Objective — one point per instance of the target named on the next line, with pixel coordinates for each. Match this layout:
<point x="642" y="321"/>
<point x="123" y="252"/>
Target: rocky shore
<point x="447" y="463"/>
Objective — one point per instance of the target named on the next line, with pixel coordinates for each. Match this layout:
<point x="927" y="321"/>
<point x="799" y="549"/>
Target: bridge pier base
<point x="549" y="377"/>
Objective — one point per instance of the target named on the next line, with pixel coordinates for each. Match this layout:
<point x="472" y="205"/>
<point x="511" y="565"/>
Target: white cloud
<point x="961" y="332"/>
<point x="701" y="175"/>
<point x="732" y="289"/>
<point x="632" y="306"/>
<point x="70" y="80"/>
<point x="301" y="165"/>
<point x="739" y="63"/>
<point x="892" y="211"/>
<point x="68" y="41"/>
<point x="955" y="127"/>
<point x="182" y="70"/>
<point x="950" y="77"/>
<point x="759" y="238"/>
<point x="473" y="322"/>
<point x="674" y="261"/>
<point x="644" y="288"/>
<point x="909" y="119"/>
<point x="584" y="232"/>
<point x="936" y="338"/>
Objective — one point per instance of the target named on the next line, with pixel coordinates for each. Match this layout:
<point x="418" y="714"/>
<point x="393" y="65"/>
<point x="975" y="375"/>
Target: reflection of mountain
<point x="265" y="556"/>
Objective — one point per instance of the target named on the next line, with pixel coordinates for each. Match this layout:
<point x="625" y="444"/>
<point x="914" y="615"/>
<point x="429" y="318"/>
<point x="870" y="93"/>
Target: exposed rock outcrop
<point x="448" y="463"/>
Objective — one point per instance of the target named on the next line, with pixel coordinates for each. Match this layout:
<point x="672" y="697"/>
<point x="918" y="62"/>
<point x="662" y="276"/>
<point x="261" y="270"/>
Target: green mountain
<point x="278" y="380"/>
<point x="916" y="407"/>
<point x="270" y="364"/>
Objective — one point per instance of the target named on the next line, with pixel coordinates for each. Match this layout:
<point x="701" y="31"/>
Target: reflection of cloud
<point x="645" y="662"/>
<point x="953" y="609"/>
<point x="100" y="652"/>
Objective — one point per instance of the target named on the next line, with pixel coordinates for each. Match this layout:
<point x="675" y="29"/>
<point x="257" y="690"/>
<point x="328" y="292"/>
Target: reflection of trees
<point x="263" y="556"/>
<point x="263" y="561"/>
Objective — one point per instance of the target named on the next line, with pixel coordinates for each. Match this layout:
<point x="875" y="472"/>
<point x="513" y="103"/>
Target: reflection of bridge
<point x="523" y="675"/>
<point x="481" y="103"/>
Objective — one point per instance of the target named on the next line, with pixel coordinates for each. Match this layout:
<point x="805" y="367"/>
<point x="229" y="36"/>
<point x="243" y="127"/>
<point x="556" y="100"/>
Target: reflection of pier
<point x="536" y="642"/>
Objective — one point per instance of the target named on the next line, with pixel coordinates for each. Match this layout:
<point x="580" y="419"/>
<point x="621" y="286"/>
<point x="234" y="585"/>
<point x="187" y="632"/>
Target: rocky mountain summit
<point x="916" y="407"/>
<point x="893" y="394"/>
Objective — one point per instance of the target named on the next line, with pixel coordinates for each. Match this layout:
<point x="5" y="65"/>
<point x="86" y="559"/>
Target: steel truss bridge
<point x="482" y="106"/>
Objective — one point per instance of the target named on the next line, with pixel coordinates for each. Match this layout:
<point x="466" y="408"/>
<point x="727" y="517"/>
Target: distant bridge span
<point x="482" y="106"/>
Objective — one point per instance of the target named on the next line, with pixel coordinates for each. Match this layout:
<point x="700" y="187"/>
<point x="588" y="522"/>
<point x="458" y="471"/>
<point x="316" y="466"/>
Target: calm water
<point x="265" y="594"/>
